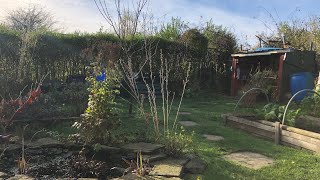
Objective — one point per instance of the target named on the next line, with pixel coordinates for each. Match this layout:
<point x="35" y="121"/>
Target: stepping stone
<point x="230" y="103"/>
<point x="188" y="123"/>
<point x="213" y="137"/>
<point x="184" y="113"/>
<point x="172" y="161"/>
<point x="145" y="148"/>
<point x="131" y="176"/>
<point x="167" y="170"/>
<point x="195" y="166"/>
<point x="170" y="167"/>
<point x="250" y="160"/>
<point x="21" y="177"/>
<point x="165" y="178"/>
<point x="3" y="175"/>
<point x="44" y="142"/>
<point x="156" y="157"/>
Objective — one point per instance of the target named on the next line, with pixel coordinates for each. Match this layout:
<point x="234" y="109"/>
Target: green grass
<point x="206" y="110"/>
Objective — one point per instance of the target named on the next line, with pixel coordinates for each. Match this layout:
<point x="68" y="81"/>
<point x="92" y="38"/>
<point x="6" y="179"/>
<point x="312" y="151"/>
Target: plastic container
<point x="102" y="76"/>
<point x="300" y="81"/>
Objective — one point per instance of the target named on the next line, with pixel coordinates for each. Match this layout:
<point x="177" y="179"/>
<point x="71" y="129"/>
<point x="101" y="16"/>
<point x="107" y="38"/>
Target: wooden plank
<point x="301" y="131"/>
<point x="302" y="144"/>
<point x="267" y="123"/>
<point x="301" y="137"/>
<point x="251" y="129"/>
<point x="251" y="123"/>
<point x="277" y="133"/>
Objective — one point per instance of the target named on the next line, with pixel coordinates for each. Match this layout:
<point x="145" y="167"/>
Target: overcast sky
<point x="243" y="17"/>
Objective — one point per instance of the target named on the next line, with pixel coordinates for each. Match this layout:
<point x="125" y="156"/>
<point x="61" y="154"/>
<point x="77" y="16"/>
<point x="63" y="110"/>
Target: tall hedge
<point x="68" y="54"/>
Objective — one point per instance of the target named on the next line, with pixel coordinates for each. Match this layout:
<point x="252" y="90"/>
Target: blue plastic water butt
<point x="300" y="81"/>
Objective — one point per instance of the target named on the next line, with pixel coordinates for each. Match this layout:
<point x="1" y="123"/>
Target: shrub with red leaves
<point x="10" y="108"/>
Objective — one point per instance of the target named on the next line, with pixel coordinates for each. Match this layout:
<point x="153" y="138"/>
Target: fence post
<point x="277" y="133"/>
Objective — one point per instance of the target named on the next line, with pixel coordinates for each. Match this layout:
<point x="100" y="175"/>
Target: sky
<point x="245" y="18"/>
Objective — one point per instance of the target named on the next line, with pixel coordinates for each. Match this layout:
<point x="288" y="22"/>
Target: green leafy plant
<point x="260" y="79"/>
<point x="274" y="112"/>
<point x="177" y="142"/>
<point x="310" y="105"/>
<point x="269" y="112"/>
<point x="101" y="116"/>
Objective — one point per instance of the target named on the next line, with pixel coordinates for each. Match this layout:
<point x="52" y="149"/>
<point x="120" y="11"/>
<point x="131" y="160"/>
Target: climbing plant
<point x="101" y="116"/>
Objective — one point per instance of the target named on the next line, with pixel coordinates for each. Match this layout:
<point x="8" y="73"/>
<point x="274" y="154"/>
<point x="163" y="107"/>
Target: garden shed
<point x="282" y="61"/>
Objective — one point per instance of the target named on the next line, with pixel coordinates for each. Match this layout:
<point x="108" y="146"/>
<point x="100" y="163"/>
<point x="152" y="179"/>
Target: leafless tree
<point x="30" y="19"/>
<point x="125" y="20"/>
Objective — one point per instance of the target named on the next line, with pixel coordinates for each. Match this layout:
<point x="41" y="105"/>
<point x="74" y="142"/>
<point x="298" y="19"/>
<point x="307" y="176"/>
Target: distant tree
<point x="301" y="33"/>
<point x="173" y="30"/>
<point x="30" y="19"/>
<point x="298" y="33"/>
<point x="196" y="41"/>
<point x="29" y="22"/>
<point x="221" y="42"/>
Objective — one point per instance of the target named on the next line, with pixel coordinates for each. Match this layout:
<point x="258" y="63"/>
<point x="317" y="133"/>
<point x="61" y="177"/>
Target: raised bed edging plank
<point x="251" y="129"/>
<point x="301" y="131"/>
<point x="251" y="123"/>
<point x="281" y="134"/>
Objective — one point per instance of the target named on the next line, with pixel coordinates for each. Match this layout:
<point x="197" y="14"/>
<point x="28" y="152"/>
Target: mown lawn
<point x="206" y="110"/>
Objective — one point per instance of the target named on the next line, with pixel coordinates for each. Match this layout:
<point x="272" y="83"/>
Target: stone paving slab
<point x="21" y="177"/>
<point x="195" y="166"/>
<point x="184" y="113"/>
<point x="164" y="178"/>
<point x="188" y="123"/>
<point x="213" y="137"/>
<point x="3" y="175"/>
<point x="172" y="161"/>
<point x="145" y="148"/>
<point x="44" y="142"/>
<point x="167" y="170"/>
<point x="155" y="157"/>
<point x="170" y="167"/>
<point x="250" y="159"/>
<point x="135" y="177"/>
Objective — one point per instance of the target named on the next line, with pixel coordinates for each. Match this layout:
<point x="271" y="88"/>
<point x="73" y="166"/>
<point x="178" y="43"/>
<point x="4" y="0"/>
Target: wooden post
<point x="224" y="119"/>
<point x="280" y="77"/>
<point x="234" y="87"/>
<point x="277" y="133"/>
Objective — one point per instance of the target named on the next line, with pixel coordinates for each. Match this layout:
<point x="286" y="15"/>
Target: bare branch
<point x="30" y="19"/>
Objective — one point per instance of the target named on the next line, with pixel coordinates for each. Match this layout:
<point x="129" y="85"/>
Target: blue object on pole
<point x="300" y="81"/>
<point x="102" y="76"/>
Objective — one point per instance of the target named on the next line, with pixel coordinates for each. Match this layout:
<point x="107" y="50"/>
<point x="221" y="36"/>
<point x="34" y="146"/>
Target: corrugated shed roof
<point x="266" y="51"/>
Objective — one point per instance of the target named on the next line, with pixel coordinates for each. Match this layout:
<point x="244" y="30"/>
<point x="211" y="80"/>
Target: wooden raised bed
<point x="280" y="134"/>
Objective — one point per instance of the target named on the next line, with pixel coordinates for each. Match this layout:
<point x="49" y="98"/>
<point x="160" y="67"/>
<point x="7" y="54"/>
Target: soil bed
<point x="59" y="161"/>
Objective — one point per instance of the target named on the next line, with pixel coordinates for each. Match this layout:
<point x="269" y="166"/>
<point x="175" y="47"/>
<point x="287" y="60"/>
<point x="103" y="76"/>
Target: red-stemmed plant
<point x="9" y="108"/>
